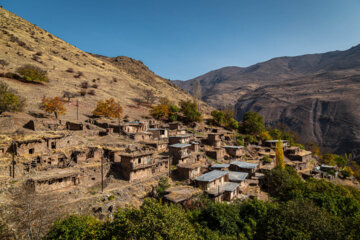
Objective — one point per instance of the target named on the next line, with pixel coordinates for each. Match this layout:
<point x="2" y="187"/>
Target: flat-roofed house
<point x="214" y="139"/>
<point x="220" y="166"/>
<point x="240" y="166"/>
<point x="234" y="151"/>
<point x="272" y="143"/>
<point x="180" y="152"/>
<point x="185" y="138"/>
<point x="217" y="154"/>
<point x="225" y="192"/>
<point x="134" y="127"/>
<point x="212" y="179"/>
<point x="189" y="170"/>
<point x="159" y="133"/>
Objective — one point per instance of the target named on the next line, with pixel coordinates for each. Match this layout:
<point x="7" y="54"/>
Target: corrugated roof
<point x="229" y="186"/>
<point x="220" y="165"/>
<point x="180" y="145"/>
<point x="181" y="136"/>
<point x="211" y="176"/>
<point x="237" y="176"/>
<point x="237" y="147"/>
<point x="275" y="141"/>
<point x="157" y="129"/>
<point x="244" y="164"/>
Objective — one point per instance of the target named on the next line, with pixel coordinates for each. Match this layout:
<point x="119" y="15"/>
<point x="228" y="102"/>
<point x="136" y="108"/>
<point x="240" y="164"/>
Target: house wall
<point x="217" y="154"/>
<point x="174" y="140"/>
<point x="179" y="153"/>
<point x="38" y="147"/>
<point x="213" y="184"/>
<point x="53" y="184"/>
<point x="234" y="152"/>
<point x="239" y="169"/>
<point x="141" y="137"/>
<point x="138" y="174"/>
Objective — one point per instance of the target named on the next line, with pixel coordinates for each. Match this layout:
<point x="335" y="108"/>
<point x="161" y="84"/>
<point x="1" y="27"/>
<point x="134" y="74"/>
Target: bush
<point x="3" y="63"/>
<point x="9" y="100"/>
<point x="84" y="85"/>
<point x="249" y="139"/>
<point x="32" y="73"/>
<point x="108" y="108"/>
<point x="91" y="92"/>
<point x="162" y="186"/>
<point x="266" y="159"/>
<point x="253" y="123"/>
<point x="70" y="70"/>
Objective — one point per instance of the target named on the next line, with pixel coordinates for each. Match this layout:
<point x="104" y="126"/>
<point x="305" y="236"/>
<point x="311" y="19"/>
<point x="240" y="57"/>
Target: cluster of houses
<point x="207" y="159"/>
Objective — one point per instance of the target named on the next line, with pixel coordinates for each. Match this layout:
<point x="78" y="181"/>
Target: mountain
<point x="315" y="95"/>
<point x="122" y="78"/>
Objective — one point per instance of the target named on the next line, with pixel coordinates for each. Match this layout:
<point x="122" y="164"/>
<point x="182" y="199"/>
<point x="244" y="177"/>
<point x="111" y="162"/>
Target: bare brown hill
<point x="316" y="95"/>
<point x="68" y="68"/>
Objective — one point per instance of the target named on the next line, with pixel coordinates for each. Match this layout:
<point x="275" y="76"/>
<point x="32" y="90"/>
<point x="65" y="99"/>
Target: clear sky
<point x="181" y="39"/>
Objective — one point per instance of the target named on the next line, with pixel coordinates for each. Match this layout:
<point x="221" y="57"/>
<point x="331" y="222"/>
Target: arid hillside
<point x="74" y="71"/>
<point x="316" y="95"/>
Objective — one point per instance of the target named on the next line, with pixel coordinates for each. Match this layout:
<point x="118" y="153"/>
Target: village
<point x="203" y="159"/>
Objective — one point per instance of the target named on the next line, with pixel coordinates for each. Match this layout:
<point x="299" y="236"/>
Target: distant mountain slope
<point x="123" y="78"/>
<point x="316" y="95"/>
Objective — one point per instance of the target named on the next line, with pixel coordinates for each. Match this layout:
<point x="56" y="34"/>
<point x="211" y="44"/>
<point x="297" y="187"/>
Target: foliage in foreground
<point x="9" y="100"/>
<point x="313" y="209"/>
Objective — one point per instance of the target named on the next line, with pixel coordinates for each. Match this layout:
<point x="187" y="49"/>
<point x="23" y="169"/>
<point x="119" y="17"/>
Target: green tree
<point x="162" y="186"/>
<point x="190" y="112"/>
<point x="253" y="123"/>
<point x="33" y="74"/>
<point x="9" y="100"/>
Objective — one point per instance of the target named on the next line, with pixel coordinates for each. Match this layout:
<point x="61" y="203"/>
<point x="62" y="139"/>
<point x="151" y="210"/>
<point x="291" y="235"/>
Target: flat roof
<point x="275" y="141"/>
<point x="211" y="176"/>
<point x="237" y="147"/>
<point x="180" y="136"/>
<point x="156" y="129"/>
<point x="226" y="187"/>
<point x="244" y="164"/>
<point x="221" y="165"/>
<point x="180" y="145"/>
<point x="237" y="176"/>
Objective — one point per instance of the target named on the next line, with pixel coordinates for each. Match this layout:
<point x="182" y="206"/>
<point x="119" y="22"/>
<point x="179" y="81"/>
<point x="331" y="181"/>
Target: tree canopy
<point x="108" y="108"/>
<point x="10" y="101"/>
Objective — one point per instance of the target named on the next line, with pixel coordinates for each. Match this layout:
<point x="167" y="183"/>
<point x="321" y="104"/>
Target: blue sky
<point x="186" y="38"/>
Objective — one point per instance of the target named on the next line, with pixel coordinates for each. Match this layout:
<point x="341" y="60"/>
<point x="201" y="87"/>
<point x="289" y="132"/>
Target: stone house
<point x="220" y="166"/>
<point x="189" y="170"/>
<point x="74" y="126"/>
<point x="141" y="136"/>
<point x="272" y="143"/>
<point x="180" y="153"/>
<point x="134" y="127"/>
<point x="179" y="139"/>
<point x="159" y="133"/>
<point x="136" y="165"/>
<point x="212" y="180"/>
<point x="160" y="146"/>
<point x="175" y="126"/>
<point x="247" y="167"/>
<point x="234" y="151"/>
<point x="217" y="154"/>
<point x="53" y="180"/>
<point x="297" y="154"/>
<point x="195" y="146"/>
<point x="214" y="139"/>
<point x="226" y="192"/>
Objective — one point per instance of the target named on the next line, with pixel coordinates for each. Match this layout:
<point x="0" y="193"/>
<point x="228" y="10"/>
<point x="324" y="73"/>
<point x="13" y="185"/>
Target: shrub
<point x="78" y="75"/>
<point x="253" y="123"/>
<point x="9" y="100"/>
<point x="32" y="73"/>
<point x="94" y="86"/>
<point x="266" y="159"/>
<point x="162" y="186"/>
<point x="3" y="63"/>
<point x="83" y="92"/>
<point x="160" y="112"/>
<point x="108" y="108"/>
<point x="70" y="70"/>
<point x="84" y="85"/>
<point x="53" y="105"/>
<point x="249" y="139"/>
<point x="91" y="92"/>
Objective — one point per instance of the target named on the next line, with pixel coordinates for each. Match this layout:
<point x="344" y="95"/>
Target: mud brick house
<point x="181" y="194"/>
<point x="297" y="165"/>
<point x="220" y="166"/>
<point x="217" y="154"/>
<point x="175" y="126"/>
<point x="159" y="133"/>
<point x="95" y="154"/>
<point x="136" y="165"/>
<point x="141" y="136"/>
<point x="238" y="177"/>
<point x="211" y="180"/>
<point x="74" y="126"/>
<point x="134" y="127"/>
<point x="272" y="143"/>
<point x="189" y="170"/>
<point x="225" y="192"/>
<point x="297" y="154"/>
<point x="214" y="139"/>
<point x="247" y="167"/>
<point x="53" y="180"/>
<point x="234" y="151"/>
<point x="160" y="146"/>
<point x="179" y="139"/>
<point x="113" y="153"/>
<point x="161" y="165"/>
<point x="195" y="146"/>
<point x="180" y="152"/>
<point x="79" y="155"/>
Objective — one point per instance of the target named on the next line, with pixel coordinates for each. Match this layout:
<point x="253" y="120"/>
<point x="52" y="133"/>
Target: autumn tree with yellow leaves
<point x="53" y="105"/>
<point x="108" y="108"/>
<point x="279" y="153"/>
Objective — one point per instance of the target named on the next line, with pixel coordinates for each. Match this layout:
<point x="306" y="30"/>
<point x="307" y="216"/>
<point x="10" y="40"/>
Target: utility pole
<point x="13" y="159"/>
<point x="169" y="167"/>
<point x="102" y="176"/>
<point x="77" y="109"/>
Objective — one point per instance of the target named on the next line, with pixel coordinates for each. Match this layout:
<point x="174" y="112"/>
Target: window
<point x="31" y="151"/>
<point x="139" y="160"/>
<point x="162" y="132"/>
<point x="53" y="145"/>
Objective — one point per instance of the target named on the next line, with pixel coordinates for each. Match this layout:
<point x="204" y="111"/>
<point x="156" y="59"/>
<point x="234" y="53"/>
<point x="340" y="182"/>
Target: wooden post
<point x="169" y="165"/>
<point x="102" y="176"/>
<point x="77" y="109"/>
<point x="13" y="159"/>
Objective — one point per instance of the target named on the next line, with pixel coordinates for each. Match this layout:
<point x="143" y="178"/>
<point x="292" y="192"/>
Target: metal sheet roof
<point x="222" y="165"/>
<point x="181" y="136"/>
<point x="229" y="186"/>
<point x="237" y="176"/>
<point x="211" y="176"/>
<point x="180" y="145"/>
<point x="244" y="164"/>
<point x="237" y="147"/>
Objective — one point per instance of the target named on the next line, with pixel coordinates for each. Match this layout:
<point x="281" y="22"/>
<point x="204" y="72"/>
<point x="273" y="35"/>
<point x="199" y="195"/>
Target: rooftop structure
<point x="211" y="176"/>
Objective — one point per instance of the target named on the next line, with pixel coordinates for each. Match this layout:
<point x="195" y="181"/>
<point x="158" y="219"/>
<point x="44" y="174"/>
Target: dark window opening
<point x="53" y="145"/>
<point x="93" y="178"/>
<point x="162" y="132"/>
<point x="139" y="160"/>
<point x="31" y="151"/>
